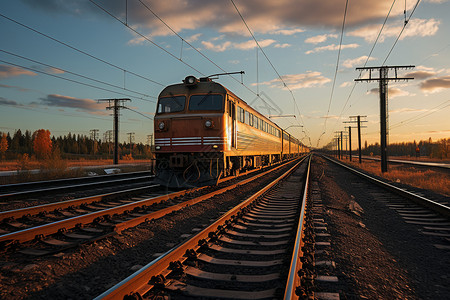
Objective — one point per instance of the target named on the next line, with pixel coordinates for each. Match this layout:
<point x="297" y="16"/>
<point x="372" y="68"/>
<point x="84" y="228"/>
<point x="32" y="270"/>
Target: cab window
<point x="206" y="102"/>
<point x="171" y="104"/>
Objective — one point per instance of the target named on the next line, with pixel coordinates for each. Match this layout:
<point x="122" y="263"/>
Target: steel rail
<point x="72" y="187"/>
<point x="433" y="205"/>
<point x="51" y="228"/>
<point x="32" y="184"/>
<point x="138" y="282"/>
<point x="293" y="278"/>
<point x="33" y="210"/>
<point x="412" y="162"/>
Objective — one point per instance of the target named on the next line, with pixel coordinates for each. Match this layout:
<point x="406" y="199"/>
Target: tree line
<point x="41" y="145"/>
<point x="439" y="149"/>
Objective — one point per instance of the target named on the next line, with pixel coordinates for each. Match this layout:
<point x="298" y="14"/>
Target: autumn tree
<point x="3" y="145"/>
<point x="42" y="144"/>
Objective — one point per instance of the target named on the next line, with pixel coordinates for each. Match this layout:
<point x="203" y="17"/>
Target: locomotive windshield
<point x="206" y="102"/>
<point x="171" y="104"/>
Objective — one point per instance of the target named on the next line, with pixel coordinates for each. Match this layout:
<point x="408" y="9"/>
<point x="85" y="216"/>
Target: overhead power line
<point x="80" y="51"/>
<point x="67" y="79"/>
<point x="365" y="64"/>
<point x="271" y="64"/>
<point x="401" y="32"/>
<point x="183" y="41"/>
<point x="79" y="75"/>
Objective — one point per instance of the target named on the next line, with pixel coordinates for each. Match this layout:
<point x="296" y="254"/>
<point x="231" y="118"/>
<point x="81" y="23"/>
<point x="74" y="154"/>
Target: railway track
<point x="51" y="187"/>
<point x="50" y="228"/>
<point x="246" y="254"/>
<point x="432" y="216"/>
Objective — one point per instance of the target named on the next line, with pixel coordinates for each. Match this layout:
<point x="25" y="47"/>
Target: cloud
<point x="252" y="45"/>
<point x="350" y="63"/>
<point x="48" y="69"/>
<point x="407" y="110"/>
<point x="282" y="45"/>
<point x="346" y="84"/>
<point x="435" y="84"/>
<point x="320" y="38"/>
<point x="415" y="27"/>
<point x="18" y="88"/>
<point x="11" y="71"/>
<point x="331" y="47"/>
<point x="4" y="101"/>
<point x="287" y="31"/>
<point x="299" y="81"/>
<point x="248" y="45"/>
<point x="217" y="48"/>
<point x="263" y="16"/>
<point x="193" y="38"/>
<point x="392" y="92"/>
<point x="420" y="74"/>
<point x="87" y="105"/>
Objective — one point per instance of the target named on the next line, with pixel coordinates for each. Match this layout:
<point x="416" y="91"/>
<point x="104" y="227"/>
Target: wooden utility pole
<point x="358" y="121"/>
<point x="383" y="80"/>
<point x="131" y="134"/>
<point x="116" y="105"/>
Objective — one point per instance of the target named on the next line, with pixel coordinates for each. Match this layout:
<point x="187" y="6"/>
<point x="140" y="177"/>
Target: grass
<point x="432" y="180"/>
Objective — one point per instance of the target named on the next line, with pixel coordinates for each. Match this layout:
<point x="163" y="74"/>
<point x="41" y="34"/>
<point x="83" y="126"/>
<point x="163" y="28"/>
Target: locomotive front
<point x="190" y="133"/>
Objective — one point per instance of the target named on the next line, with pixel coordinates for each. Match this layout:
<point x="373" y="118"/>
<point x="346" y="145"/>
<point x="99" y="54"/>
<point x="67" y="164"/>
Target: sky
<point x="57" y="58"/>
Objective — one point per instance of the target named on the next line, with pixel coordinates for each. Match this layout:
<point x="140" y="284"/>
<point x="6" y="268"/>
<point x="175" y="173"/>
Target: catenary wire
<point x="80" y="51"/>
<point x="271" y="64"/>
<point x="79" y="75"/>
<point x="67" y="79"/>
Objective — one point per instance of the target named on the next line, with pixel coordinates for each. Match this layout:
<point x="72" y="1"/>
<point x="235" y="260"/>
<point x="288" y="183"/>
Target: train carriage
<point x="204" y="132"/>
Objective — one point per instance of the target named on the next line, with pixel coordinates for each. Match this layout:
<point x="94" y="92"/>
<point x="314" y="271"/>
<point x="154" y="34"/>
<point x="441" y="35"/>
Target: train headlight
<point x="208" y="123"/>
<point x="161" y="126"/>
<point x="190" y="81"/>
<point x="158" y="147"/>
<point x="215" y="146"/>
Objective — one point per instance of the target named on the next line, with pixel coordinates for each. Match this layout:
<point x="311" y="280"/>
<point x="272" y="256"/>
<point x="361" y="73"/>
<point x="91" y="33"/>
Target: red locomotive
<point x="204" y="132"/>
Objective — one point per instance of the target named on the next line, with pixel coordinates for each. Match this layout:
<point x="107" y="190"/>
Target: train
<point x="204" y="132"/>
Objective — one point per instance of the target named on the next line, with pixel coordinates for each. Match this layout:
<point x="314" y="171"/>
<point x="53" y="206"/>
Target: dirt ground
<point x="377" y="255"/>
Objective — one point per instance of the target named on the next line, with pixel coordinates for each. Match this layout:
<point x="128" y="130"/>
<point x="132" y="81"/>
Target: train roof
<point x="202" y="85"/>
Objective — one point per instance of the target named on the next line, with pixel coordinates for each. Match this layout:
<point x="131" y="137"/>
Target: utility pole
<point x="349" y="141"/>
<point x="116" y="105"/>
<point x="94" y="136"/>
<point x="358" y="121"/>
<point x="339" y="143"/>
<point x="383" y="80"/>
<point x="107" y="136"/>
<point x="131" y="134"/>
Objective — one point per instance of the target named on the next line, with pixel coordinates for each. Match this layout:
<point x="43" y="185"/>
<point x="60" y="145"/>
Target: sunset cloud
<point x="435" y="84"/>
<point x="393" y="92"/>
<point x="6" y="102"/>
<point x="299" y="81"/>
<point x="248" y="45"/>
<point x="415" y="27"/>
<point x="331" y="47"/>
<point x="11" y="71"/>
<point x="263" y="16"/>
<point x="320" y="38"/>
<point x="87" y="105"/>
<point x="350" y="63"/>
